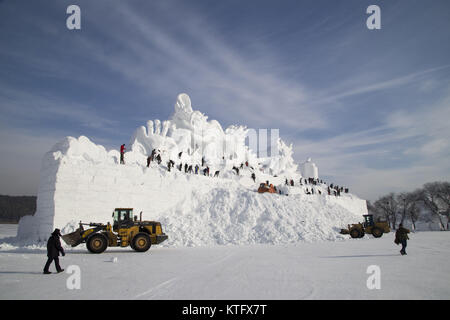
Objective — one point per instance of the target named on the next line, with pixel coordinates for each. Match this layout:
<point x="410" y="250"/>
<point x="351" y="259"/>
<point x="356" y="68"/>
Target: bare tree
<point x="436" y="198"/>
<point x="372" y="210"/>
<point x="410" y="206"/>
<point x="444" y="197"/>
<point x="403" y="202"/>
<point x="388" y="207"/>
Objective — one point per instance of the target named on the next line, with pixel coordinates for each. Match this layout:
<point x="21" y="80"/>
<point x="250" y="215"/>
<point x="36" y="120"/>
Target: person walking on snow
<point x="122" y="152"/>
<point x="401" y="237"/>
<point x="53" y="249"/>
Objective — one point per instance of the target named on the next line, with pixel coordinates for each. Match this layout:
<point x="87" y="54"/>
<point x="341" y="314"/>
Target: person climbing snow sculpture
<point x="53" y="249"/>
<point x="170" y="165"/>
<point x="122" y="154"/>
<point x="158" y="159"/>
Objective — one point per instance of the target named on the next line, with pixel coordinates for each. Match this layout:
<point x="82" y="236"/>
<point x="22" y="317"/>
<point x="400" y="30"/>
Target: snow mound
<point x="224" y="215"/>
<point x="82" y="181"/>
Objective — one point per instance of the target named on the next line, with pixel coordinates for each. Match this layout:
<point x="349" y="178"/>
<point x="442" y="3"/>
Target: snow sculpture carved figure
<point x="190" y="133"/>
<point x="309" y="169"/>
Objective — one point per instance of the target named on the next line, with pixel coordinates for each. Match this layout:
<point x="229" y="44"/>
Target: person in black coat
<point x="53" y="249"/>
<point x="401" y="237"/>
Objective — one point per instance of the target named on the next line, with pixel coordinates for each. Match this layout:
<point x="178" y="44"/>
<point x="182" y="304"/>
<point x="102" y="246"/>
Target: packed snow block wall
<point x="82" y="181"/>
<point x="76" y="187"/>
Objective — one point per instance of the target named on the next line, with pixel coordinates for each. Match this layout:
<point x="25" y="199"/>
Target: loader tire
<point x="377" y="232"/>
<point x="97" y="243"/>
<point x="355" y="233"/>
<point x="141" y="242"/>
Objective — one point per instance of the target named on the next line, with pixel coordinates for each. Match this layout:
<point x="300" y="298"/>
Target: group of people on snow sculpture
<point x="189" y="168"/>
<point x="331" y="189"/>
<point x="205" y="170"/>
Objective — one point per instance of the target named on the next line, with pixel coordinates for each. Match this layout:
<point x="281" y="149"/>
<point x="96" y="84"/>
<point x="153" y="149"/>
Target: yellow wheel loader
<point x="376" y="229"/>
<point x="125" y="231"/>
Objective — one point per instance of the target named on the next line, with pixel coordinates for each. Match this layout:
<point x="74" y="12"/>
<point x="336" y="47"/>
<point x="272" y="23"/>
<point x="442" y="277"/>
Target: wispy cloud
<point x="415" y="139"/>
<point x="234" y="85"/>
<point x="36" y="107"/>
<point x="356" y="88"/>
<point x="130" y="61"/>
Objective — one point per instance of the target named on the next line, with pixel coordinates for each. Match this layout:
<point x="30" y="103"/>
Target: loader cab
<point x="368" y="220"/>
<point x="122" y="217"/>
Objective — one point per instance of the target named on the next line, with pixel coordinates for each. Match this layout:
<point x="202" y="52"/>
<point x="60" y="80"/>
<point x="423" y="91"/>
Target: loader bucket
<point x="73" y="239"/>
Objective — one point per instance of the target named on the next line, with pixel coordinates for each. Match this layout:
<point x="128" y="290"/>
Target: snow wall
<point x="82" y="181"/>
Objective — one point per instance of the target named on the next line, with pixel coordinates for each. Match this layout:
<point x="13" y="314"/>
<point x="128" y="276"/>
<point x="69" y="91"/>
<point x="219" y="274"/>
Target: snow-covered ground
<point x="320" y="270"/>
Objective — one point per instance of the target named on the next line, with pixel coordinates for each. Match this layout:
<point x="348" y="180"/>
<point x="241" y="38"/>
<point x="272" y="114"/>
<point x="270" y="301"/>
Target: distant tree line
<point x="12" y="208"/>
<point x="431" y="202"/>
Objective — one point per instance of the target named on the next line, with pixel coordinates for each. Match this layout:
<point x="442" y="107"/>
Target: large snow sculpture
<point x="83" y="181"/>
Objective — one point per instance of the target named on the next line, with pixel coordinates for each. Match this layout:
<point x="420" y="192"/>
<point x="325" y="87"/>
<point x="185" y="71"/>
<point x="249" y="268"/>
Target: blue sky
<point x="371" y="107"/>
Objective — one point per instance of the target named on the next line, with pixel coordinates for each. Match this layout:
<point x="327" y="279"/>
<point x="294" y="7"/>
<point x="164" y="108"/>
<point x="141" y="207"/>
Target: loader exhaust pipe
<point x="140" y="216"/>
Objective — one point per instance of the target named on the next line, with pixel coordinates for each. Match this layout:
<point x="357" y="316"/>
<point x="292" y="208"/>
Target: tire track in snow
<point x="164" y="288"/>
<point x="165" y="284"/>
